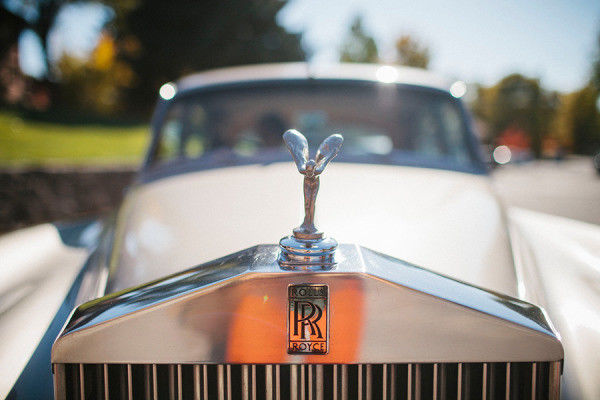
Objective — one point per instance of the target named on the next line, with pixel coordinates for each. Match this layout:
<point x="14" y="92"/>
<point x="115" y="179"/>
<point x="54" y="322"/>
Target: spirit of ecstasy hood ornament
<point x="308" y="246"/>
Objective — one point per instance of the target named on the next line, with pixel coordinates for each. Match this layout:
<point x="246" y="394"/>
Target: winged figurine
<point x="311" y="169"/>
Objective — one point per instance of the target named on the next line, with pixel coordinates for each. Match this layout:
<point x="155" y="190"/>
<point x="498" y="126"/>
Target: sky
<point x="476" y="41"/>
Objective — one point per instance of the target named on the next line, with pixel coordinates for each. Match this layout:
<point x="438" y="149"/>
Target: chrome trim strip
<point x="81" y="382"/>
<point x="221" y="382"/>
<point x="555" y="371"/>
<point x="60" y="381"/>
<point x="197" y="382"/>
<point x="459" y="382"/>
<point x="368" y="369"/>
<point x="493" y="382"/>
<point x="393" y="382"/>
<point x="179" y="383"/>
<point x="409" y="386"/>
<point x="277" y="382"/>
<point x="154" y="383"/>
<point x="172" y="382"/>
<point x="335" y="382"/>
<point x="245" y="383"/>
<point x="147" y="382"/>
<point x="228" y="381"/>
<point x="319" y="382"/>
<point x="484" y="382"/>
<point x="384" y="382"/>
<point x="269" y="381"/>
<point x="129" y="383"/>
<point x="310" y="382"/>
<point x="294" y="382"/>
<point x="302" y="388"/>
<point x="253" y="382"/>
<point x="105" y="379"/>
<point x="533" y="380"/>
<point x="443" y="381"/>
<point x="344" y="382"/>
<point x="507" y="389"/>
<point x="417" y="381"/>
<point x="435" y="381"/>
<point x="205" y="381"/>
<point x="360" y="382"/>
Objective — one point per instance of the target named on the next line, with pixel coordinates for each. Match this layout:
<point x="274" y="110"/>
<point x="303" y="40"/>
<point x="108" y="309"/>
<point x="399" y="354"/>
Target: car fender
<point x="558" y="267"/>
<point x="37" y="268"/>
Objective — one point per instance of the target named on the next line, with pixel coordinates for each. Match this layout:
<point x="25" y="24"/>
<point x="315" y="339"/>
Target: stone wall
<point x="29" y="197"/>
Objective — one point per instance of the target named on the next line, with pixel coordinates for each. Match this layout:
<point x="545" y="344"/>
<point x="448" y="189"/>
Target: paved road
<point x="569" y="188"/>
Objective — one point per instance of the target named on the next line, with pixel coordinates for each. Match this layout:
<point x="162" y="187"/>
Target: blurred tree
<point x="596" y="64"/>
<point x="166" y="39"/>
<point x="517" y="103"/>
<point x="577" y="122"/>
<point x="411" y="53"/>
<point x="11" y="27"/>
<point x="11" y="82"/>
<point x="359" y="46"/>
<point x="39" y="16"/>
<point x="95" y="85"/>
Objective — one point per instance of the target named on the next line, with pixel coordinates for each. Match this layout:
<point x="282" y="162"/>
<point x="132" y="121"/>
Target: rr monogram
<point x="308" y="319"/>
<point x="304" y="319"/>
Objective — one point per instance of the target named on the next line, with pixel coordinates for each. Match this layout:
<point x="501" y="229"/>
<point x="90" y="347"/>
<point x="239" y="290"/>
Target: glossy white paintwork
<point x="290" y="71"/>
<point x="189" y="219"/>
<point x="559" y="262"/>
<point x="36" y="271"/>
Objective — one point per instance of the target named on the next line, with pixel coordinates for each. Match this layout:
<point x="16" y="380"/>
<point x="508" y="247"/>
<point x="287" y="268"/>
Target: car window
<point x="376" y="120"/>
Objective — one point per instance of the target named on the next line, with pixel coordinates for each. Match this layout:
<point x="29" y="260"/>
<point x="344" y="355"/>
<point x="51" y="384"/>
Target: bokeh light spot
<point x="458" y="89"/>
<point x="502" y="154"/>
<point x="167" y="91"/>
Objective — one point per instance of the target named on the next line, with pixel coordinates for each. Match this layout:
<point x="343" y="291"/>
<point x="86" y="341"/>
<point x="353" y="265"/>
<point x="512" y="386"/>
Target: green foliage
<point x="578" y="120"/>
<point x="596" y="64"/>
<point x="359" y="46"/>
<point x="517" y="102"/>
<point x="39" y="16"/>
<point x="181" y="36"/>
<point x="95" y="84"/>
<point x="157" y="41"/>
<point x="410" y="52"/>
<point x="25" y="142"/>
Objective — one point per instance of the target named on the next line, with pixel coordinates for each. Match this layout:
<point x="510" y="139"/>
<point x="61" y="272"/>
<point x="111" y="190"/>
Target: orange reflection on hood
<point x="346" y="304"/>
<point x="258" y="329"/>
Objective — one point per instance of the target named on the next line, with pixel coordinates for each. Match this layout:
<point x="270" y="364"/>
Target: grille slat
<point x="507" y="391"/>
<point x="533" y="380"/>
<point x="409" y="390"/>
<point x="81" y="382"/>
<point x="441" y="381"/>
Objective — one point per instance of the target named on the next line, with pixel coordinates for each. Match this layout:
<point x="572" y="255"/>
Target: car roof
<point x="300" y="71"/>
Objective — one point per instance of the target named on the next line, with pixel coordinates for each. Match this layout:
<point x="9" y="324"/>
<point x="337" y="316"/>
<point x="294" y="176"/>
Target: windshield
<point x="379" y="122"/>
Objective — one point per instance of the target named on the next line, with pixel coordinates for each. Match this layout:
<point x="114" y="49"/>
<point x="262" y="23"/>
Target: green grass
<point x="34" y="143"/>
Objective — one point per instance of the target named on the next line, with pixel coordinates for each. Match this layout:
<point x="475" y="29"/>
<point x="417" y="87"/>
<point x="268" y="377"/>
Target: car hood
<point x="448" y="222"/>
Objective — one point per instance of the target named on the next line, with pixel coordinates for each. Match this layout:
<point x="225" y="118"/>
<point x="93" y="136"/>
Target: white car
<point x="424" y="285"/>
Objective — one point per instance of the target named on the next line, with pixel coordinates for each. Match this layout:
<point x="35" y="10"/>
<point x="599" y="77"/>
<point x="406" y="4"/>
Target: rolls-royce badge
<point x="308" y="319"/>
<point x="308" y="247"/>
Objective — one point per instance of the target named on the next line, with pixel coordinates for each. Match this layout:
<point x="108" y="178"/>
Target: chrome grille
<point x="443" y="381"/>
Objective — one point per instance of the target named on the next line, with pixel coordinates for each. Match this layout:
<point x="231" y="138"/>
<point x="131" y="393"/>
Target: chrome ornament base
<point x="306" y="253"/>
